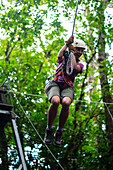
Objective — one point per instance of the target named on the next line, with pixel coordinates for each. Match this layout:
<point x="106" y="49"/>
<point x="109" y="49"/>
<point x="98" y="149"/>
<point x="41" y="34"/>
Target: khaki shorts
<point x="55" y="89"/>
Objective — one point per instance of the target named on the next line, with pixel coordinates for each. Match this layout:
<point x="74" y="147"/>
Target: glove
<point x="69" y="41"/>
<point x="71" y="47"/>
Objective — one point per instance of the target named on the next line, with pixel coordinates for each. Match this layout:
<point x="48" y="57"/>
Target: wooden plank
<point x="5" y="112"/>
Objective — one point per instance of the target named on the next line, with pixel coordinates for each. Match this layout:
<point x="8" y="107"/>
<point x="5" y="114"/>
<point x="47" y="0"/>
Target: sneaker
<point x="58" y="135"/>
<point x="48" y="135"/>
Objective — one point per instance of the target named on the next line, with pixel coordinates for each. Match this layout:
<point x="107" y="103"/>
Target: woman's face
<point x="79" y="51"/>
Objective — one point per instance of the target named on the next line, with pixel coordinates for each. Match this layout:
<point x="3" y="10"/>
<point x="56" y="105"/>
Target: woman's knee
<point x="55" y="100"/>
<point x="66" y="101"/>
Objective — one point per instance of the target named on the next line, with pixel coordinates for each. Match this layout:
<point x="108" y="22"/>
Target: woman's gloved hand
<point x="69" y="41"/>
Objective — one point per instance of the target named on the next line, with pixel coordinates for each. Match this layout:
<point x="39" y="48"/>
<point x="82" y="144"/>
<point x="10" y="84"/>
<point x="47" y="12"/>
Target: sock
<point x="50" y="127"/>
<point x="60" y="129"/>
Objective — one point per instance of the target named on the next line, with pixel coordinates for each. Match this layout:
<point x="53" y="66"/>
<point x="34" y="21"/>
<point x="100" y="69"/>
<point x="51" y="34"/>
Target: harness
<point x="61" y="72"/>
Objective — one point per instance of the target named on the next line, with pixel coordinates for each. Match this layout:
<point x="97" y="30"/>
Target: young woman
<point x="61" y="88"/>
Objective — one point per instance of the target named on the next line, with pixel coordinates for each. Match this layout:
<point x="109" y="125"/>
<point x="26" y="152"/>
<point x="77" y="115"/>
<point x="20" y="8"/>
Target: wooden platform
<point x="4" y="112"/>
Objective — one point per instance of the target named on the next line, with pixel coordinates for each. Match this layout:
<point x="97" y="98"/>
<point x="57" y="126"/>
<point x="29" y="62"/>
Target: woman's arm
<point x="61" y="52"/>
<point x="77" y="67"/>
<point x="68" y="42"/>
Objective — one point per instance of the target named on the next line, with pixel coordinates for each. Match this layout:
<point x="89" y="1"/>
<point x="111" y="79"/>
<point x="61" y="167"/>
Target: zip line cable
<point x="75" y="17"/>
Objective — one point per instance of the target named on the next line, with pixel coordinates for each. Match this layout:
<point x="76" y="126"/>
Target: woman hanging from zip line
<point x="60" y="90"/>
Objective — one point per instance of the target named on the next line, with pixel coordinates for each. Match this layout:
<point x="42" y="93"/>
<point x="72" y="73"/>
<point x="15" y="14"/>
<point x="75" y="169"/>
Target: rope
<point x="70" y="62"/>
<point x="36" y="95"/>
<point x="23" y="93"/>
<point x="78" y="101"/>
<point x="37" y="131"/>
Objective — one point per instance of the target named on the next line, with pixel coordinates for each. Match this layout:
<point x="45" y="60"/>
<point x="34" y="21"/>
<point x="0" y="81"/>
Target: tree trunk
<point x="106" y="96"/>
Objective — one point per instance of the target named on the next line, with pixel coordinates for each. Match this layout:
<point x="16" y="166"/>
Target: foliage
<point x="33" y="33"/>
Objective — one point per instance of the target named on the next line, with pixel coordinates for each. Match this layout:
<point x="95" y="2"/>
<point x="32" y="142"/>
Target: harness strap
<point x="67" y="80"/>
